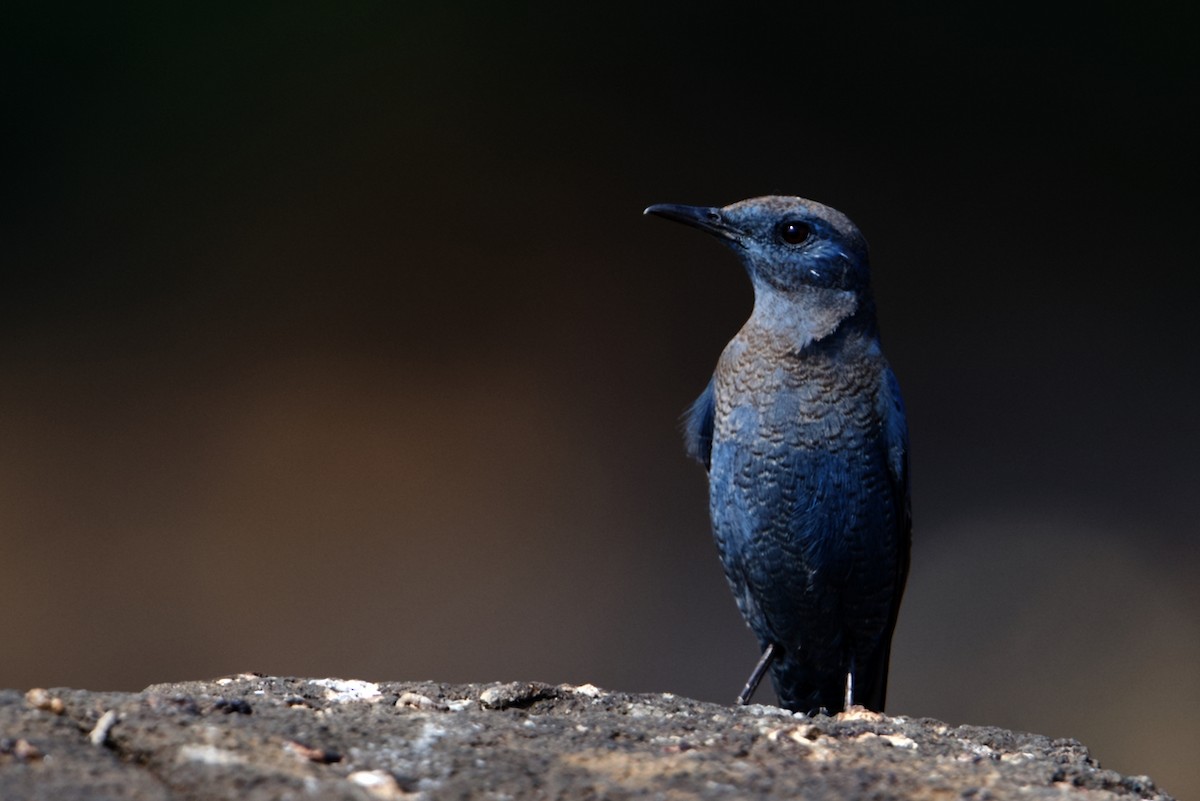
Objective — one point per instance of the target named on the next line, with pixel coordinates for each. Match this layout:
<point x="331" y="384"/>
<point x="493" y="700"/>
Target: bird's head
<point x="808" y="262"/>
<point x="786" y="243"/>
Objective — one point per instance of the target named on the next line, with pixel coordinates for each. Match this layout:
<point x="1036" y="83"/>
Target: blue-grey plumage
<point x="803" y="432"/>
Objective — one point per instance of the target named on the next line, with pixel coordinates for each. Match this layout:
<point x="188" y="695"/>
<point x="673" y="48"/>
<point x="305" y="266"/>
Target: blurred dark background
<point x="333" y="342"/>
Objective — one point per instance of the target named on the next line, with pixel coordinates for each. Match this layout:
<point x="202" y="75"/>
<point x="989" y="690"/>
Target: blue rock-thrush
<point x="803" y="433"/>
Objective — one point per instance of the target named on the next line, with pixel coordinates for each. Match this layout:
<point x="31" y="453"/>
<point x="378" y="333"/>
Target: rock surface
<point x="252" y="737"/>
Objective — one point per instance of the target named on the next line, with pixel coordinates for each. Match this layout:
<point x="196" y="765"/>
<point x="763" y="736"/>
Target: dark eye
<point x="794" y="232"/>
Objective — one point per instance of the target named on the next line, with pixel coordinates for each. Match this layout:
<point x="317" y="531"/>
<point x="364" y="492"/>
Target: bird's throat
<point x="803" y="316"/>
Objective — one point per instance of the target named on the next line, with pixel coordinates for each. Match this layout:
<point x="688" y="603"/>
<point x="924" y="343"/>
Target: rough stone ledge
<point x="264" y="737"/>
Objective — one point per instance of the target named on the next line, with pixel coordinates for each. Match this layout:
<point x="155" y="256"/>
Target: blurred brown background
<point x="332" y="342"/>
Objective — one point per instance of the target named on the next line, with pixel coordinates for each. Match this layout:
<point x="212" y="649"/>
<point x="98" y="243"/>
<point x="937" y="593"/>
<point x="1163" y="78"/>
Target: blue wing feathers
<point x="896" y="430"/>
<point x="698" y="427"/>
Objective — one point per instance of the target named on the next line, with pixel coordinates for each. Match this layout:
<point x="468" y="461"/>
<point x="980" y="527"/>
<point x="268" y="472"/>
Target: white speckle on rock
<point x="342" y="691"/>
<point x="586" y="690"/>
<point x="973" y="751"/>
<point x="804" y="734"/>
<point x="430" y="734"/>
<point x="418" y="701"/>
<point x="767" y="710"/>
<point x="209" y="755"/>
<point x="459" y="704"/>
<point x="41" y="699"/>
<point x="377" y="783"/>
<point x="98" y="736"/>
<point x="641" y="710"/>
<point x="859" y="713"/>
<point x="899" y="741"/>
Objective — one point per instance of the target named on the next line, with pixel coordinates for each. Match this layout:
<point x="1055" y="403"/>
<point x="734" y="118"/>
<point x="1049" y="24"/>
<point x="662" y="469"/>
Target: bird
<point x="803" y="433"/>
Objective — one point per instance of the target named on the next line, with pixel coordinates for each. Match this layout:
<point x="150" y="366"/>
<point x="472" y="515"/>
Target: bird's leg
<point x="756" y="676"/>
<point x="850" y="686"/>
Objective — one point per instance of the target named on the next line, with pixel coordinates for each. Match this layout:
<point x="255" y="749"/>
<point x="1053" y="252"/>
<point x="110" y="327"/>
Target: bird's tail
<point x="805" y="687"/>
<point x="802" y="687"/>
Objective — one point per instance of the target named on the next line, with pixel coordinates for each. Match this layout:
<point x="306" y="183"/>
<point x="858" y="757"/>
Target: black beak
<point x="705" y="218"/>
